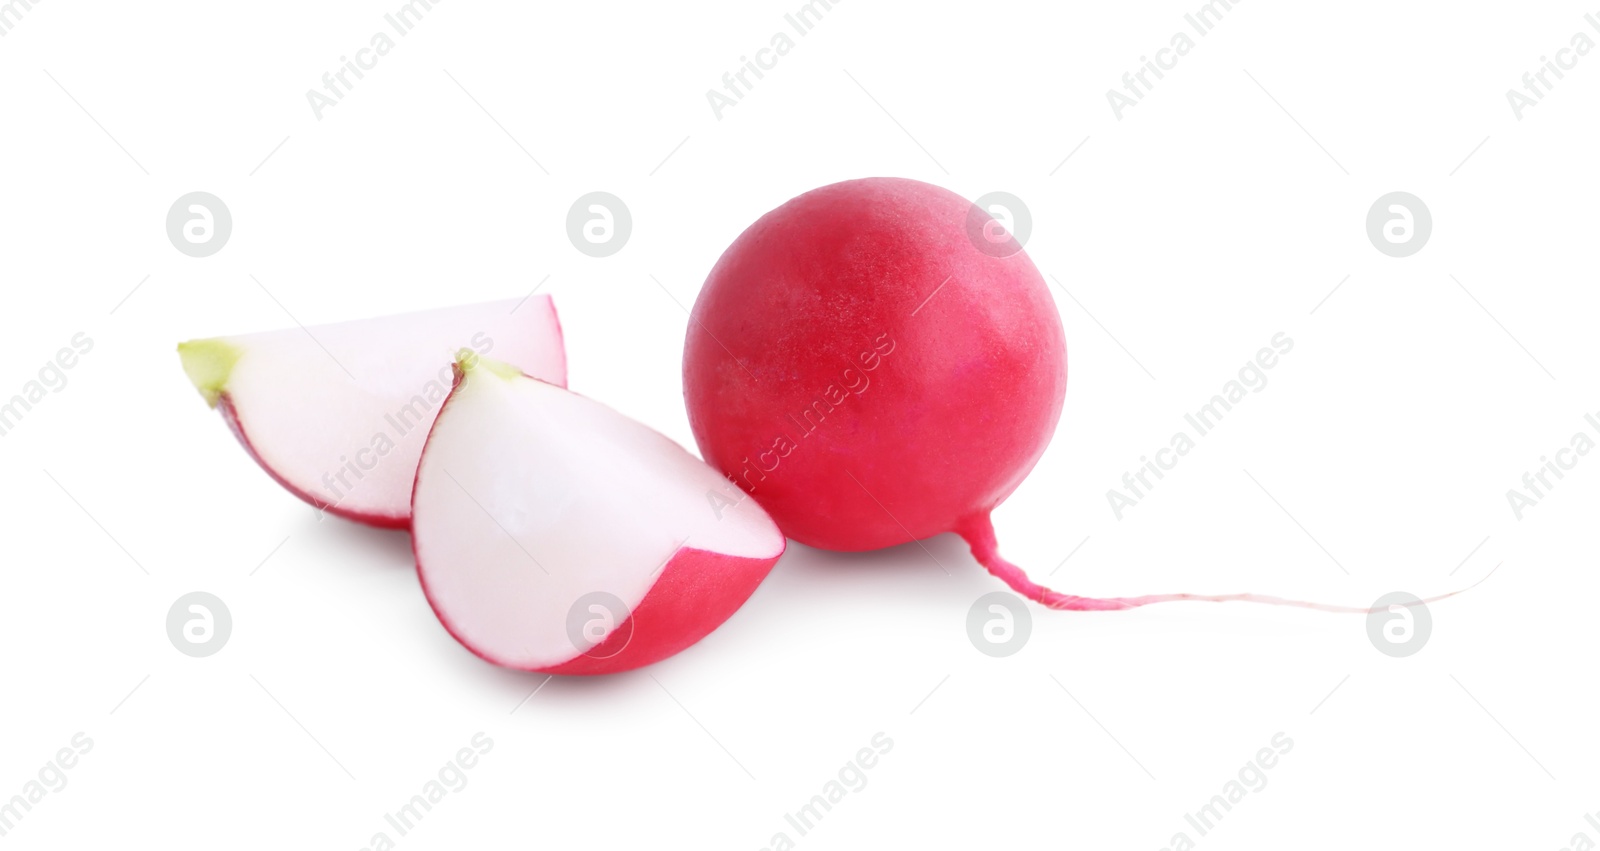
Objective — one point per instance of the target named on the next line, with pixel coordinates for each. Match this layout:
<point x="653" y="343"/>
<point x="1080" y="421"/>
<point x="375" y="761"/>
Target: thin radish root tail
<point x="978" y="532"/>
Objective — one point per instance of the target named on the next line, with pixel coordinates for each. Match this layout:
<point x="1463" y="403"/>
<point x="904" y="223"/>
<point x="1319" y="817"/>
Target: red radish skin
<point x="697" y="591"/>
<point x="928" y="436"/>
<point x="970" y="375"/>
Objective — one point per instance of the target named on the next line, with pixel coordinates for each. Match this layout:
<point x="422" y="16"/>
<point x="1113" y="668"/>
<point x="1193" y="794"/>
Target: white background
<point x="1193" y="229"/>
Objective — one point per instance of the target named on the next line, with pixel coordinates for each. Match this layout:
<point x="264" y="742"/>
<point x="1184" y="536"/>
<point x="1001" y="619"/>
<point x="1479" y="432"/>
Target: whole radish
<point x="877" y="361"/>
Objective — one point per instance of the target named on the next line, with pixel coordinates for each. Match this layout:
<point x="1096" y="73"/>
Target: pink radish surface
<point x="337" y="414"/>
<point x="554" y="534"/>
<point x="858" y="365"/>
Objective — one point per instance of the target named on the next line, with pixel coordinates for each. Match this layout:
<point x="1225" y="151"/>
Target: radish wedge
<point x="554" y="534"/>
<point x="337" y="414"/>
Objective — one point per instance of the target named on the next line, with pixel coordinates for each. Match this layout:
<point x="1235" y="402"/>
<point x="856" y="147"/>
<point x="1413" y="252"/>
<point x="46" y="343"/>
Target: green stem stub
<point x="469" y="362"/>
<point x="209" y="363"/>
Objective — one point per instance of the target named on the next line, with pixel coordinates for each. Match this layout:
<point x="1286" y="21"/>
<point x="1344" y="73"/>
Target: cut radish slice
<point x="554" y="534"/>
<point x="337" y="414"/>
